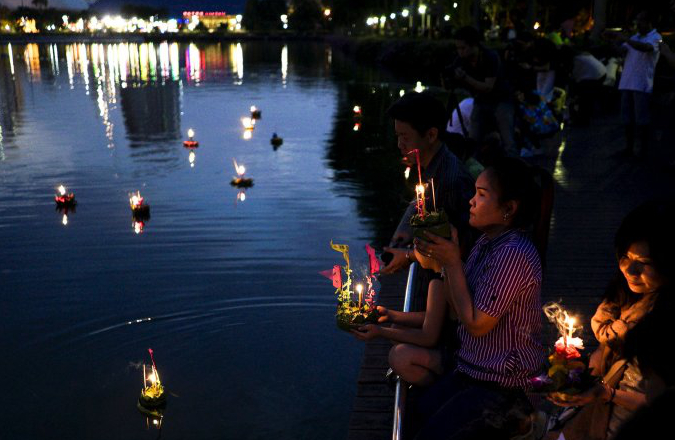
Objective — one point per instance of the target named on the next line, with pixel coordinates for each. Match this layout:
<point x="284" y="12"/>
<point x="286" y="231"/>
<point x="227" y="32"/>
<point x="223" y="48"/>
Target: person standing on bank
<point x="482" y="73"/>
<point x="419" y="122"/>
<point x="637" y="79"/>
<point x="497" y="298"/>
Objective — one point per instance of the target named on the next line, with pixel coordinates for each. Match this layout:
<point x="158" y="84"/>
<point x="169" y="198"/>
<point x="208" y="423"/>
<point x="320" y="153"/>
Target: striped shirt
<point x="504" y="277"/>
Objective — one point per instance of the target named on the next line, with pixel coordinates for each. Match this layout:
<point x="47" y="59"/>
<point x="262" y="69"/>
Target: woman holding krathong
<point x="497" y="299"/>
<point x="424" y="341"/>
<point x="644" y="247"/>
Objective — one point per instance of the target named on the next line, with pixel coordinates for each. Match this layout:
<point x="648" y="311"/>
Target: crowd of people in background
<point x="474" y="346"/>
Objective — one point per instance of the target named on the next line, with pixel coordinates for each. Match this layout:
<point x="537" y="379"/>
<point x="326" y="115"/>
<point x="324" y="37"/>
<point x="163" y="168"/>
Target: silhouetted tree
<point x="263" y="15"/>
<point x="306" y="15"/>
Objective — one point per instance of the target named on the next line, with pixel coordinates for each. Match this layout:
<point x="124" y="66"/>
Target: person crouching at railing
<point x="497" y="296"/>
<point x="424" y="341"/>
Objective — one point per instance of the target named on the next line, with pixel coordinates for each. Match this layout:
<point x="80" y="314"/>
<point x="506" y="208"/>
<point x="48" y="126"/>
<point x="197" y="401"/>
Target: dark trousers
<point x="459" y="407"/>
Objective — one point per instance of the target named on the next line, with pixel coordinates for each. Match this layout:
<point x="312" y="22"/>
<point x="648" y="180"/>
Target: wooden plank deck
<point x="594" y="191"/>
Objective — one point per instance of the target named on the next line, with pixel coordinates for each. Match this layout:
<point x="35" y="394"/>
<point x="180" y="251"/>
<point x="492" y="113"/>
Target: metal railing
<point x="401" y="386"/>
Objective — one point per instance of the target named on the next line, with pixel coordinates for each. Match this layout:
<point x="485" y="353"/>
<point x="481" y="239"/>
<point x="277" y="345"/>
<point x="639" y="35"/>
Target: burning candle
<point x="63" y="198"/>
<point x="248" y="123"/>
<point x="136" y="201"/>
<point x="359" y="290"/>
<point x="357" y="126"/>
<point x="62" y="190"/>
<point x="357" y="110"/>
<point x="419" y="192"/>
<point x="191" y="142"/>
<point x="406" y="173"/>
<point x="190" y="133"/>
<point x="240" y="169"/>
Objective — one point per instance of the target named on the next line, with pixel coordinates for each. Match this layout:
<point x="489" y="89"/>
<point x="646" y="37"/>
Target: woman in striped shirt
<point x="497" y="299"/>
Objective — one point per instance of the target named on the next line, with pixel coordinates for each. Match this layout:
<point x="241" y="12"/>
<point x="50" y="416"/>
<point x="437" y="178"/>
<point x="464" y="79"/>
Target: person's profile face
<point x="464" y="50"/>
<point x="485" y="210"/>
<point x="638" y="268"/>
<point x="408" y="139"/>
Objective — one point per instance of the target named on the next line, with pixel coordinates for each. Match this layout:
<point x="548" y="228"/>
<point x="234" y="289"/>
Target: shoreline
<point x="55" y="38"/>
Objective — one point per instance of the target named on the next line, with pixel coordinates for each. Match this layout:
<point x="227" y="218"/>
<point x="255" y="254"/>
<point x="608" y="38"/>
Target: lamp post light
<point x="423" y="12"/>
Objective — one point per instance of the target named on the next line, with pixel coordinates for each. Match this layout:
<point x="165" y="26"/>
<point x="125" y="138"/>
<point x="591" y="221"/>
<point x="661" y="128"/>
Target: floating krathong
<point x="191" y="142"/>
<point x="248" y="123"/>
<point x="139" y="208"/>
<point x="276" y="141"/>
<point x="153" y="395"/>
<point x="567" y="370"/>
<point x="357" y="111"/>
<point x="63" y="198"/>
<point x="255" y="113"/>
<point x="239" y="180"/>
<point x="353" y="313"/>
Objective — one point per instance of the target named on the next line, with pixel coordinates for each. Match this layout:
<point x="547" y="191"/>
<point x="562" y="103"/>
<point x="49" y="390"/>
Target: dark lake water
<point x="225" y="291"/>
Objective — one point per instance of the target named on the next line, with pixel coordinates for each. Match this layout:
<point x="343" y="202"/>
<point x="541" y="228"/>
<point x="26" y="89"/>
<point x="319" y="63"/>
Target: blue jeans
<point x="458" y="407"/>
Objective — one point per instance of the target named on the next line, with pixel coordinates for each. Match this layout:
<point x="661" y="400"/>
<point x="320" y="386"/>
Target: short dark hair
<point x="514" y="180"/>
<point x="421" y="110"/>
<point x="469" y="35"/>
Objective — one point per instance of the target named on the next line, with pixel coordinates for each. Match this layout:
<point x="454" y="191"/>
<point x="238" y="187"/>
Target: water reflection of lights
<point x="241" y="196"/>
<point x="248" y="123"/>
<point x="284" y="64"/>
<point x="559" y="171"/>
<point x="248" y="134"/>
<point x="357" y="126"/>
<point x="193" y="61"/>
<point x="31" y="56"/>
<point x="237" y="58"/>
<point x="65" y="219"/>
<point x="191" y="158"/>
<point x="54" y="58"/>
<point x="138" y="226"/>
<point x="11" y="58"/>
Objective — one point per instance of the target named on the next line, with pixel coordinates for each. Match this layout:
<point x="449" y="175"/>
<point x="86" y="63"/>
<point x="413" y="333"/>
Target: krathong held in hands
<point x="435" y="221"/>
<point x="356" y="304"/>
<point x="567" y="370"/>
<point x="191" y="142"/>
<point x="240" y="181"/>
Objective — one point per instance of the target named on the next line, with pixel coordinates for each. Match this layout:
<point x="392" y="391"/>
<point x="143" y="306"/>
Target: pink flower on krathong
<point x="568" y="351"/>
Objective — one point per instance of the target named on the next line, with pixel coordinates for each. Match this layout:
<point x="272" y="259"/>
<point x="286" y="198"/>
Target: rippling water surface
<point x="225" y="291"/>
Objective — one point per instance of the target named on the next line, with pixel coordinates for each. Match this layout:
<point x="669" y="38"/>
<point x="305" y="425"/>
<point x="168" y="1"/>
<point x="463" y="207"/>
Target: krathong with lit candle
<point x="153" y="394"/>
<point x="191" y="142"/>
<point x="276" y="141"/>
<point x="255" y="112"/>
<point x="139" y="209"/>
<point x="356" y="303"/>
<point x="567" y="370"/>
<point x="63" y="198"/>
<point x="435" y="221"/>
<point x="248" y="123"/>
<point x="357" y="111"/>
<point x="239" y="180"/>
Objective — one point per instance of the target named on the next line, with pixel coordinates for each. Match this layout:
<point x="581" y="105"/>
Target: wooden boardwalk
<point x="594" y="190"/>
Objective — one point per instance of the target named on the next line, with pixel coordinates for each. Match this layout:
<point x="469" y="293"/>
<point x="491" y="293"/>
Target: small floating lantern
<point x="357" y="126"/>
<point x="191" y="142"/>
<point x="255" y="113"/>
<point x="357" y="111"/>
<point x="248" y="123"/>
<point x="139" y="209"/>
<point x="276" y="141"/>
<point x="239" y="180"/>
<point x="63" y="198"/>
<point x="153" y="394"/>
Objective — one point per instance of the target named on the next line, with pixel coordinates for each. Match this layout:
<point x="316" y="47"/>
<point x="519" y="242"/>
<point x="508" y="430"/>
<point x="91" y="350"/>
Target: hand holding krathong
<point x="446" y="252"/>
<point x="367" y="332"/>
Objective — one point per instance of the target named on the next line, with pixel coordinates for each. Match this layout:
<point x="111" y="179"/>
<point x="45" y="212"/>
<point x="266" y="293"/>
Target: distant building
<point x="212" y="20"/>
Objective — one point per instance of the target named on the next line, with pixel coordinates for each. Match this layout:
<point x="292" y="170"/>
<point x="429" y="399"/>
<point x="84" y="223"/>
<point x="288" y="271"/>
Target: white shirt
<point x="466" y="107"/>
<point x="587" y="68"/>
<point x="638" y="68"/>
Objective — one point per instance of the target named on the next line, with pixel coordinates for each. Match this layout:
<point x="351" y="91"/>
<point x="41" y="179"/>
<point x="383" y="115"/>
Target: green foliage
<point x="306" y="15"/>
<point x="264" y="15"/>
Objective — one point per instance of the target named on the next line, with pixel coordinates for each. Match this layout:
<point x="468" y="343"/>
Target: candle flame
<point x="62" y="190"/>
<point x="564" y="322"/>
<point x="240" y="169"/>
<point x="253" y="108"/>
<point x="65" y="219"/>
<point x="136" y="200"/>
<point x="152" y="377"/>
<point x="359" y="288"/>
<point x="419" y="189"/>
<point x="357" y="109"/>
<point x="191" y="133"/>
<point x="248" y="123"/>
<point x="406" y="173"/>
<point x="357" y="126"/>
